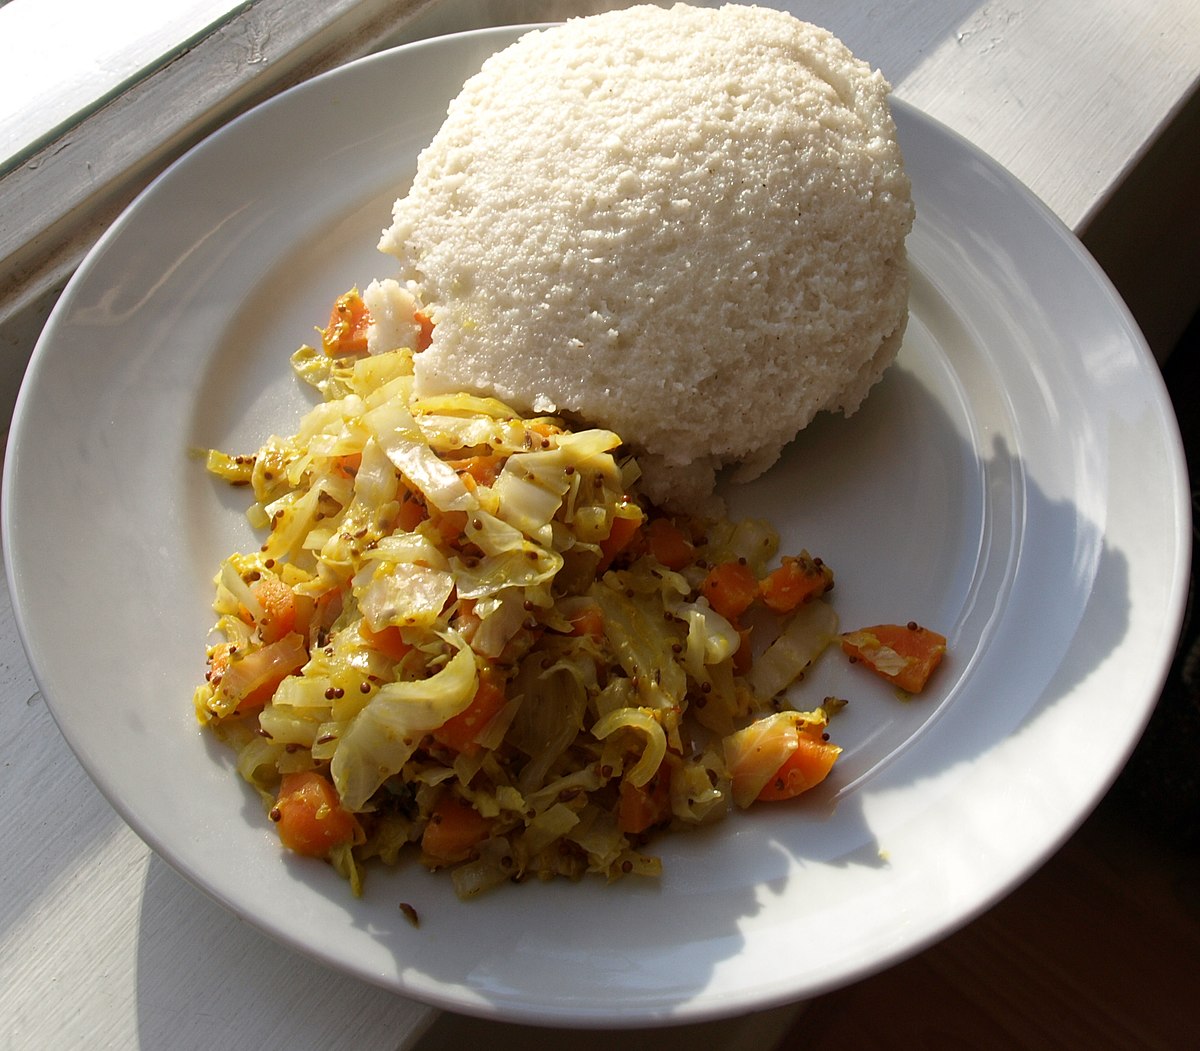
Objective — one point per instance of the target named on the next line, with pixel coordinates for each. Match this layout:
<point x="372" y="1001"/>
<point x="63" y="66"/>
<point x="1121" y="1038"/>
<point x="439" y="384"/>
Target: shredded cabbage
<point x="459" y="619"/>
<point x="379" y="739"/>
<point x="813" y="627"/>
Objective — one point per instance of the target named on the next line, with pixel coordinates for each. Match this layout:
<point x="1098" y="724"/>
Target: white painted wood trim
<point x="56" y="204"/>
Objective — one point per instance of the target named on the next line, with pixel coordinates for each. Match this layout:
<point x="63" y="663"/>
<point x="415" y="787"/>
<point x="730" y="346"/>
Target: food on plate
<point x="906" y="655"/>
<point x="685" y="225"/>
<point x="468" y="635"/>
<point x="493" y="622"/>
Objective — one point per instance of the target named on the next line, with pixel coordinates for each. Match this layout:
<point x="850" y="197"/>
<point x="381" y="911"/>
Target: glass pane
<point x="63" y="57"/>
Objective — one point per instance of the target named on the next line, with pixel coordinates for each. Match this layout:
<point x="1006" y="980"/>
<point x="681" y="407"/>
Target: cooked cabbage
<point x="459" y="619"/>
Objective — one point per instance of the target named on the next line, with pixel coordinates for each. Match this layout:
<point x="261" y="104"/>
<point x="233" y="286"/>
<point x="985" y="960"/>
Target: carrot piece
<point x="346" y="332"/>
<point x="640" y="807"/>
<point x="449" y="524"/>
<point x="460" y="731"/>
<point x="589" y="621"/>
<point x="251" y="679"/>
<point x="798" y="580"/>
<point x="279" y="608"/>
<point x="730" y="588"/>
<point x="621" y="537"/>
<point x="425" y="329"/>
<point x="347" y="466"/>
<point x="310" y="817"/>
<point x="669" y="544"/>
<point x="758" y="757"/>
<point x="218" y="663"/>
<point x="805" y="768"/>
<point x="482" y="470"/>
<point x="453" y="831"/>
<point x="389" y="641"/>
<point x="306" y="616"/>
<point x="904" y="654"/>
<point x="411" y="514"/>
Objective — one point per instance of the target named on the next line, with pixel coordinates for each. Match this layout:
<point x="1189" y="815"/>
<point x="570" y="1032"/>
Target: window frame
<point x="58" y="201"/>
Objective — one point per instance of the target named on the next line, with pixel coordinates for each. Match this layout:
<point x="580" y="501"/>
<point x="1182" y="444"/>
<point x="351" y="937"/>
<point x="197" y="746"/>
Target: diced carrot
<point x="620" y="537"/>
<point x="453" y="831"/>
<point x="730" y="588"/>
<point x="389" y="641"/>
<point x="251" y="678"/>
<point x="482" y="470"/>
<point x="669" y="544"/>
<point x="346" y="332"/>
<point x="279" y="608"/>
<point x="588" y="620"/>
<point x="904" y="654"/>
<point x="411" y="514"/>
<point x="805" y="768"/>
<point x="218" y="663"/>
<point x="459" y="732"/>
<point x="310" y="817"/>
<point x="756" y="754"/>
<point x="425" y="329"/>
<point x="798" y="579"/>
<point x="449" y="524"/>
<point x="640" y="807"/>
<point x="347" y="466"/>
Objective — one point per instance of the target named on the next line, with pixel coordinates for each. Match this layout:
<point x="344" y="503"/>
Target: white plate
<point x="1016" y="481"/>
